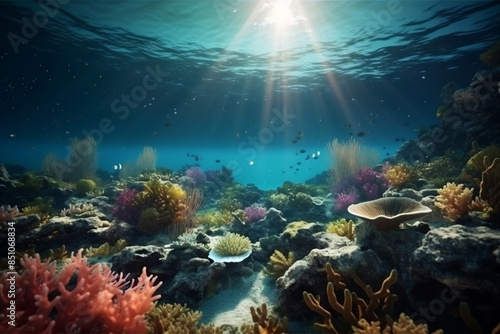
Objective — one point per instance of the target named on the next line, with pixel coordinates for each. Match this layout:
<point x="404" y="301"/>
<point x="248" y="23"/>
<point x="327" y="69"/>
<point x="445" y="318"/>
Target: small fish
<point x="217" y="161"/>
<point x="349" y="125"/>
<point x="296" y="154"/>
<point x="302" y="151"/>
<point x="187" y="154"/>
<point x="387" y="153"/>
<point x="299" y="163"/>
<point x="406" y="123"/>
<point x="299" y="135"/>
<point x="315" y="158"/>
<point x="383" y="148"/>
<point x="361" y="134"/>
<point x="166" y="125"/>
<point x="297" y="169"/>
<point x="403" y="140"/>
<point x="196" y="158"/>
<point x="294" y="141"/>
<point x="155" y="133"/>
<point x="283" y="172"/>
<point x="397" y="139"/>
<point x="117" y="167"/>
<point x="291" y="167"/>
<point x="308" y="157"/>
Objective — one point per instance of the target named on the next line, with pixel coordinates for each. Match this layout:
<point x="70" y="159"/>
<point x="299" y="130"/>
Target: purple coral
<point x="365" y="185"/>
<point x="124" y="208"/>
<point x="197" y="174"/>
<point x="254" y="213"/>
<point x="344" y="199"/>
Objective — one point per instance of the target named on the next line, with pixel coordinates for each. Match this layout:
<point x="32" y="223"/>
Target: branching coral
<point x="262" y="324"/>
<point x="177" y="319"/>
<point x="78" y="299"/>
<point x="7" y="214"/>
<point x="455" y="201"/>
<point x="105" y="249"/>
<point x="278" y="264"/>
<point x="363" y="310"/>
<point x="404" y="325"/>
<point x="400" y="175"/>
<point x="342" y="227"/>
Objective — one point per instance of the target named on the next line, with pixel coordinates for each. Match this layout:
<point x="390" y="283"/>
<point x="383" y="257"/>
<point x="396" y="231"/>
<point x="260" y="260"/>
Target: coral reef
<point x="400" y="175"/>
<point x="105" y="249"/>
<point x="254" y="213"/>
<point x="197" y="175"/>
<point x="263" y="324"/>
<point x="365" y="308"/>
<point x="84" y="186"/>
<point x="278" y="264"/>
<point x="404" y="325"/>
<point x="177" y="319"/>
<point x="97" y="300"/>
<point x="7" y="214"/>
<point x="231" y="244"/>
<point x="455" y="201"/>
<point x="342" y="228"/>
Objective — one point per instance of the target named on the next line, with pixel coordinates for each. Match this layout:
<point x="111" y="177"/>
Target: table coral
<point x="78" y="299"/>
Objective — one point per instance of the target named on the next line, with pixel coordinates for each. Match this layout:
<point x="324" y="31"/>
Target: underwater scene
<point x="249" y="166"/>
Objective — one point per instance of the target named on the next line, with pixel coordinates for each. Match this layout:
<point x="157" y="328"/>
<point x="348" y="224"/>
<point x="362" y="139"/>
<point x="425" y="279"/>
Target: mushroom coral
<point x="387" y="213"/>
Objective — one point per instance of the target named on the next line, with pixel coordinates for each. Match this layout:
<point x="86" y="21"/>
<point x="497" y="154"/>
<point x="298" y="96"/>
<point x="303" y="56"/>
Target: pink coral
<point x="80" y="299"/>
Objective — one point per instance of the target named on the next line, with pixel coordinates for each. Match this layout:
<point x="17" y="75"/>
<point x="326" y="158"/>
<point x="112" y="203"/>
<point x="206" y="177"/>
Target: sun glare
<point x="280" y="14"/>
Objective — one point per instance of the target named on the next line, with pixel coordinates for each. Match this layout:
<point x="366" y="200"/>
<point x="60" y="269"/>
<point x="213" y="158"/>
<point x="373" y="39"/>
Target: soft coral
<point x="80" y="299"/>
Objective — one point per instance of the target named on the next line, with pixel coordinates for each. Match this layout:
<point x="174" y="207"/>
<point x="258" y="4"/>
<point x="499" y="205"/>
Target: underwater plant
<point x="124" y="207"/>
<point x="232" y="247"/>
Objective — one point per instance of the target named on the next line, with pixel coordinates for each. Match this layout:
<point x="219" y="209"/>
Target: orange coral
<point x="80" y="299"/>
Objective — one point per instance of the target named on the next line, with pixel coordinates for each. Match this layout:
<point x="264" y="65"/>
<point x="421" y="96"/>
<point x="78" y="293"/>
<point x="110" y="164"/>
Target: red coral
<point x="80" y="299"/>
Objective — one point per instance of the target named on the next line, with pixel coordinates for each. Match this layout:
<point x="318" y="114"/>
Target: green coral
<point x="214" y="218"/>
<point x="83" y="186"/>
<point x="290" y="188"/>
<point x="279" y="201"/>
<point x="492" y="56"/>
<point x="31" y="182"/>
<point x="162" y="205"/>
<point x="301" y="201"/>
<point x="440" y="111"/>
<point x="232" y="244"/>
<point x="105" y="249"/>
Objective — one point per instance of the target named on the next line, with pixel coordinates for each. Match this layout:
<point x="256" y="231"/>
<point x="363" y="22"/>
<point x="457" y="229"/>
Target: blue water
<point x="230" y="80"/>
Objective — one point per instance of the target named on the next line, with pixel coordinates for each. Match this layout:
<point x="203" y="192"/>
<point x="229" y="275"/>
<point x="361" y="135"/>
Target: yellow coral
<point x="399" y="175"/>
<point x="342" y="227"/>
<point x="176" y="319"/>
<point x="262" y="324"/>
<point x="455" y="201"/>
<point x="278" y="264"/>
<point x="105" y="249"/>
